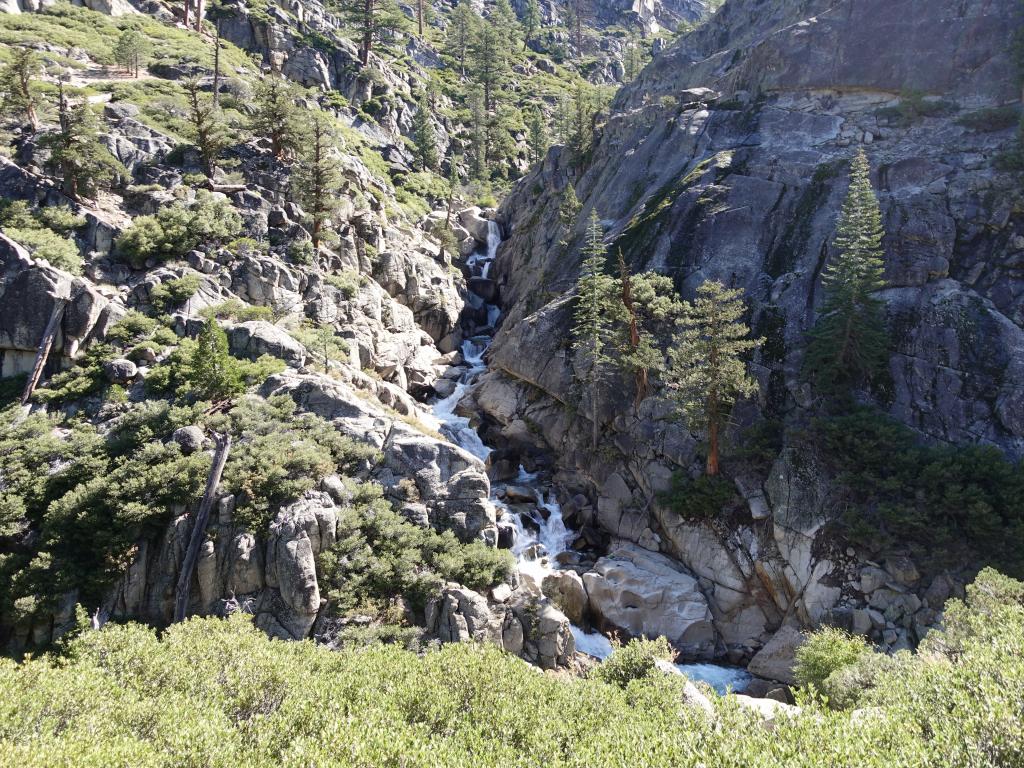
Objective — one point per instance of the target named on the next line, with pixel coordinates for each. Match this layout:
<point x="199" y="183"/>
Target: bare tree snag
<point x="183" y="592"/>
<point x="43" y="353"/>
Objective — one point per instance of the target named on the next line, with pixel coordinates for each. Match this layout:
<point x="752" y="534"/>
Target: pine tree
<point x="636" y="56"/>
<point x="424" y="137"/>
<point x="373" y="20"/>
<point x="317" y="176"/>
<point x="276" y="115"/>
<point x="446" y="237"/>
<point x="849" y="344"/>
<point x="581" y="130"/>
<point x="76" y="153"/>
<point x="569" y="208"/>
<point x="19" y="80"/>
<point x="216" y="375"/>
<point x="532" y="20"/>
<point x="576" y="15"/>
<point x="478" y="134"/>
<point x="500" y="144"/>
<point x="537" y="135"/>
<point x="504" y="18"/>
<point x="639" y="352"/>
<point x="594" y="318"/>
<point x="489" y="62"/>
<point x="462" y="30"/>
<point x="707" y="371"/>
<point x="206" y="126"/>
<point x="131" y="50"/>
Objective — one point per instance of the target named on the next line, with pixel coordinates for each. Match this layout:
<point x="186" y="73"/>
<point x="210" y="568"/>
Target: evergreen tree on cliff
<point x="594" y="320"/>
<point x="316" y="177"/>
<point x="216" y="374"/>
<point x="206" y="126"/>
<point x="19" y="89"/>
<point x="532" y="20"/>
<point x="707" y="368"/>
<point x="424" y="137"/>
<point x="76" y="153"/>
<point x="462" y="28"/>
<point x="131" y="50"/>
<point x="372" y="20"/>
<point x="849" y="344"/>
<point x="276" y="116"/>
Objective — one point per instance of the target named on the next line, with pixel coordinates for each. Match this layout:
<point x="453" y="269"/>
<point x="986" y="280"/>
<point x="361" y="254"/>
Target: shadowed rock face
<point x="728" y="159"/>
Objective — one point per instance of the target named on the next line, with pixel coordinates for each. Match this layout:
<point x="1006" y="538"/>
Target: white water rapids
<point x="537" y="545"/>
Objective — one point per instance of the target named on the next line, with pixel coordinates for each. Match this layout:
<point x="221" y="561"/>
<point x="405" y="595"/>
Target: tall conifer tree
<point x="707" y="371"/>
<point x="317" y="176"/>
<point x="849" y="344"/>
<point x="594" y="320"/>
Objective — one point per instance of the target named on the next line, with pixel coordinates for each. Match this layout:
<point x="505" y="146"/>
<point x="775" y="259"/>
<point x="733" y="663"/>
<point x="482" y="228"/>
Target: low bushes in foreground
<point x="218" y="693"/>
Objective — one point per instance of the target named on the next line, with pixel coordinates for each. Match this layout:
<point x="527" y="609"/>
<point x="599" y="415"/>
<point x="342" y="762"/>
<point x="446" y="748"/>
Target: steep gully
<point x="539" y="540"/>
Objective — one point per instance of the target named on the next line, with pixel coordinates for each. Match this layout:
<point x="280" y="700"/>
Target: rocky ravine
<point x="727" y="160"/>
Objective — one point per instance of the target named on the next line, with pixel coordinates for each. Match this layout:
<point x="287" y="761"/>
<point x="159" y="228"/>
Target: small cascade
<point x="543" y="536"/>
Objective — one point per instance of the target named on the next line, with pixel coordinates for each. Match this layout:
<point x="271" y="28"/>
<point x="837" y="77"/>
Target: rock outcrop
<point x="727" y="159"/>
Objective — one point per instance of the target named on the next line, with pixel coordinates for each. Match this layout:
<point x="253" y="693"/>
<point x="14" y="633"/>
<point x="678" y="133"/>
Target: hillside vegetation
<point x="219" y="693"/>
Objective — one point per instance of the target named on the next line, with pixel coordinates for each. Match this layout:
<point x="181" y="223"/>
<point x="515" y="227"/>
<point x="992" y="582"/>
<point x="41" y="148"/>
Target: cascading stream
<point x="539" y="541"/>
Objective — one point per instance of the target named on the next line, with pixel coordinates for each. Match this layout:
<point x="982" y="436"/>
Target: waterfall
<point x="538" y="543"/>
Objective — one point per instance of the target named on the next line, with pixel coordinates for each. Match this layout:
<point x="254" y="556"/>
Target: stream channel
<point x="539" y="541"/>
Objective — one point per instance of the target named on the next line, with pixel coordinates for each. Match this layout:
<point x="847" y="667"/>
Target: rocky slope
<point x="384" y="292"/>
<point x="727" y="159"/>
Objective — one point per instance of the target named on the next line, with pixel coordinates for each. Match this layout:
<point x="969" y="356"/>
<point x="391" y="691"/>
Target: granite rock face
<point x="728" y="159"/>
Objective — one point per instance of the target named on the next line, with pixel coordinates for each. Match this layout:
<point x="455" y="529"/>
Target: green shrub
<point x="633" y="661"/>
<point x="279" y="455"/>
<point x="11" y="388"/>
<point x="702" y="499"/>
<point x="347" y="281"/>
<point x="210" y="692"/>
<point x="204" y="368"/>
<point x="379" y="555"/>
<point x="177" y="229"/>
<point x="991" y="119"/>
<point x="848" y="686"/>
<point x="951" y="502"/>
<point x="45" y="244"/>
<point x="826" y="651"/>
<point x="233" y="309"/>
<point x="84" y="378"/>
<point x="169" y="294"/>
<point x="134" y="326"/>
<point x="322" y="341"/>
<point x="60" y="219"/>
<point x="301" y="252"/>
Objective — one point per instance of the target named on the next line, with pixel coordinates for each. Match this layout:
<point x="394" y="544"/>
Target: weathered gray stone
<point x="190" y="439"/>
<point x="649" y="594"/>
<point x="120" y="370"/>
<point x="258" y="337"/>
<point x="565" y="589"/>
<point x="775" y="660"/>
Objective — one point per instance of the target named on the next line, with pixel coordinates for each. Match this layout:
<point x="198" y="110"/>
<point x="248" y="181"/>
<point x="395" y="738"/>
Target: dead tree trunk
<point x="43" y="353"/>
<point x="183" y="592"/>
<point x="216" y="65"/>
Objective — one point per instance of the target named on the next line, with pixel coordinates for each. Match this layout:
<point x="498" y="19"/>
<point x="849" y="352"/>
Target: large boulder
<point x="298" y="534"/>
<point x="775" y="661"/>
<point x="258" y="337"/>
<point x="650" y="594"/>
<point x="565" y="589"/>
<point x="29" y="292"/>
